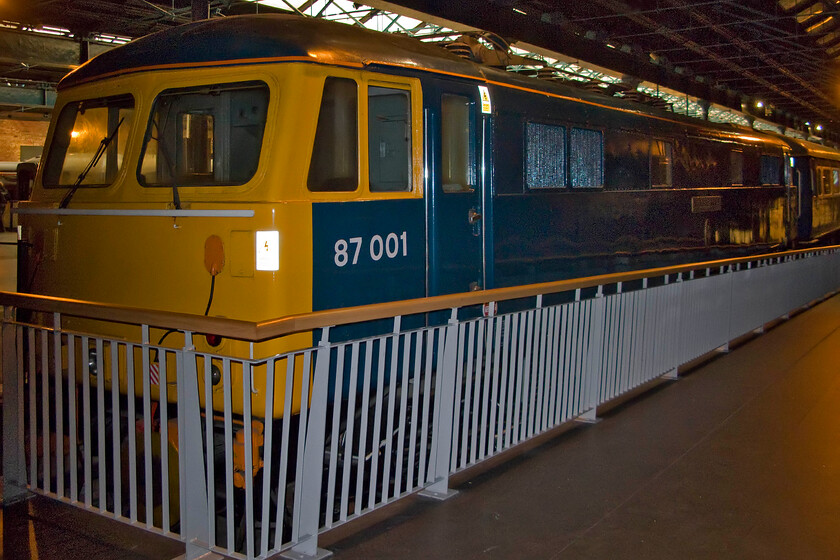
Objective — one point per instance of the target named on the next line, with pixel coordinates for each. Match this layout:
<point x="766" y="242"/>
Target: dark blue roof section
<point x="249" y="38"/>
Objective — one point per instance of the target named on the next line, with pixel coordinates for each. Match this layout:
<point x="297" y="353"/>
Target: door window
<point x="458" y="149"/>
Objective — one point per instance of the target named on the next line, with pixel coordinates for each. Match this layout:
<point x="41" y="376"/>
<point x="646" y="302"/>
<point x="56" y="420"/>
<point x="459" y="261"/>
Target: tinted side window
<point x="586" y="158"/>
<point x="626" y="161"/>
<point x="661" y="164"/>
<point x="736" y="168"/>
<point x="545" y="156"/>
<point x="335" y="156"/>
<point x="770" y="170"/>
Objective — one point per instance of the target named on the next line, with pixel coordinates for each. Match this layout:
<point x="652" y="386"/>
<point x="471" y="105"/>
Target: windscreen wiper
<point x="164" y="153"/>
<point x="103" y="145"/>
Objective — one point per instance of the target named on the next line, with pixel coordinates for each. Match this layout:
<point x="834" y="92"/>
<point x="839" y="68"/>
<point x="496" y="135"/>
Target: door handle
<point x="473" y="216"/>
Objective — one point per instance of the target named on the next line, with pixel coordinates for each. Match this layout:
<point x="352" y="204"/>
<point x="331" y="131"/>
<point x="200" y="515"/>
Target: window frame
<point x="256" y="81"/>
<point x="779" y="171"/>
<point x="472" y="145"/>
<point x="364" y="80"/>
<point x="126" y="128"/>
<point x="565" y="185"/>
<point x="569" y="177"/>
<point x="669" y="143"/>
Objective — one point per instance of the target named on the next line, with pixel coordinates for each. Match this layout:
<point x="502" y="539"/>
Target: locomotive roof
<point x="268" y="38"/>
<point x="806" y="148"/>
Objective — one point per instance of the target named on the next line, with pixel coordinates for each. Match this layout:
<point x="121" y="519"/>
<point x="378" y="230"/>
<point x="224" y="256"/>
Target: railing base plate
<point x="439" y="496"/>
<point x="320" y="554"/>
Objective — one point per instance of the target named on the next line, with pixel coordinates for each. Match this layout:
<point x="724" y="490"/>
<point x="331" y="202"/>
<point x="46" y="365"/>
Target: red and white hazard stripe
<point x="154" y="373"/>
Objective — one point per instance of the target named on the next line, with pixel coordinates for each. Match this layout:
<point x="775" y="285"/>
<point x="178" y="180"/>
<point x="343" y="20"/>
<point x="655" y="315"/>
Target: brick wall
<point x="15" y="133"/>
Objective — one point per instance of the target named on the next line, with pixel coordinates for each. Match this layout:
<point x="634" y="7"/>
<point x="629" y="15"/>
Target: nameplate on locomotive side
<point x="705" y="204"/>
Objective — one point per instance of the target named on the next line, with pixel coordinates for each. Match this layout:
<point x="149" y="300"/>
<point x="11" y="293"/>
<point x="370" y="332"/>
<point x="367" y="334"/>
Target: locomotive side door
<point x="456" y="121"/>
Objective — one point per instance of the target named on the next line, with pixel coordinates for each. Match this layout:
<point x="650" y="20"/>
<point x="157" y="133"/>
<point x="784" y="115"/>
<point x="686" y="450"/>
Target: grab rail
<point x="263" y="330"/>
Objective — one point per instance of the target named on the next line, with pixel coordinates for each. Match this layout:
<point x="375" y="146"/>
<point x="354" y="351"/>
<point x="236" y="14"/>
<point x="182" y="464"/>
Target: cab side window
<point x="335" y="157"/>
<point x="389" y="139"/>
<point x="457" y="149"/>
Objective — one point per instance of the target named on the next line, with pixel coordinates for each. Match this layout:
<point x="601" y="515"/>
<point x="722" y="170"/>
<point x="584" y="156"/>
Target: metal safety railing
<point x="187" y="444"/>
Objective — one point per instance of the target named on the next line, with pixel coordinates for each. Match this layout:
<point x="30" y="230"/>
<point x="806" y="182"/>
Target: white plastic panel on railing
<point x="364" y="422"/>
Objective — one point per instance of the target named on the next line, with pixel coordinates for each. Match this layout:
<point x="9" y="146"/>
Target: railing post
<point x="193" y="484"/>
<point x="443" y="428"/>
<point x="14" y="467"/>
<point x="313" y="459"/>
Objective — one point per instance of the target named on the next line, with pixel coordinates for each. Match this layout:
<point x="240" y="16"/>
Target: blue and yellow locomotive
<point x="261" y="166"/>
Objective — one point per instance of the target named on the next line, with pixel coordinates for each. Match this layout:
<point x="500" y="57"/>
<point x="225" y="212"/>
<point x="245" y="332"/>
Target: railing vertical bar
<point x="376" y="440"/>
<point x="654" y="319"/>
<point x="349" y="430"/>
<point x="209" y="445"/>
<point x="644" y="299"/>
<point x="467" y="426"/>
<point x="268" y="453"/>
<point x="476" y="396"/>
<point x="436" y="427"/>
<point x="486" y="402"/>
<point x="45" y="415"/>
<point x="116" y="428"/>
<point x="164" y="442"/>
<point x="416" y="381"/>
<point x="59" y="406"/>
<point x="102" y="463"/>
<point x="228" y="463"/>
<point x="607" y="362"/>
<point x="571" y="355"/>
<point x="366" y="380"/>
<point x="459" y="382"/>
<point x="532" y="367"/>
<point x="88" y="472"/>
<point x="33" y="411"/>
<point x="542" y="345"/>
<point x="640" y="337"/>
<point x="520" y="385"/>
<point x="401" y="429"/>
<point x="335" y="433"/>
<point x="131" y="427"/>
<point x="247" y="369"/>
<point x="618" y="314"/>
<point x="284" y="455"/>
<point x="561" y="324"/>
<point x="583" y="355"/>
<point x="574" y="365"/>
<point x="523" y="376"/>
<point x="148" y="476"/>
<point x="559" y="373"/>
<point x="301" y="443"/>
<point x="552" y="334"/>
<point x="632" y="340"/>
<point x="389" y="426"/>
<point x="20" y="379"/>
<point x="431" y="337"/>
<point x="509" y="370"/>
<point x="493" y="434"/>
